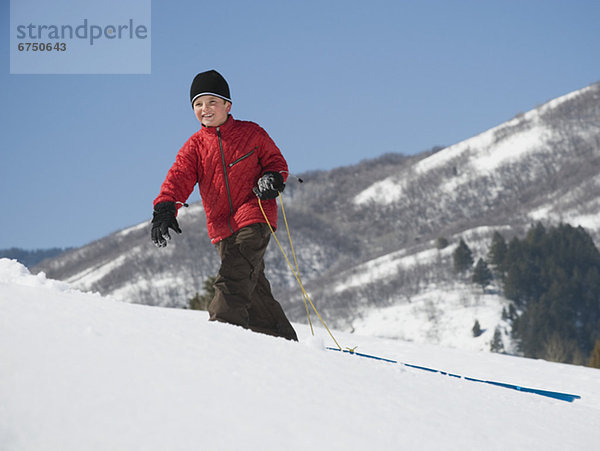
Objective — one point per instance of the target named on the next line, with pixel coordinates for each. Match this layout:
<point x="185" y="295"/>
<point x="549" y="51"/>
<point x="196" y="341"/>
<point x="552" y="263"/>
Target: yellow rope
<point x="296" y="274"/>
<point x="304" y="295"/>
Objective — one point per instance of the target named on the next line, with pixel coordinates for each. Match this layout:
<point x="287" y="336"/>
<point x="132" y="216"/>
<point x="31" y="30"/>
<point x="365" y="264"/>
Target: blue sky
<point x="333" y="82"/>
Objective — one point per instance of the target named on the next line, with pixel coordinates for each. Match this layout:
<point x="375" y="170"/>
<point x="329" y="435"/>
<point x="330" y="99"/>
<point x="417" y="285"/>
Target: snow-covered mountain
<point x="366" y="236"/>
<point x="83" y="372"/>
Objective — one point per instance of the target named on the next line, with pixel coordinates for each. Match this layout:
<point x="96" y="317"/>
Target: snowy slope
<point x="81" y="371"/>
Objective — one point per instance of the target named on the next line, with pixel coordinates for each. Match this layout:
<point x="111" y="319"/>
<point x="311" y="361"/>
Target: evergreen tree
<point x="482" y="274"/>
<point x="522" y="279"/>
<point x="536" y="235"/>
<point x="462" y="257"/>
<point x="512" y="312"/>
<point x="497" y="254"/>
<point x="201" y="302"/>
<point x="553" y="275"/>
<point x="497" y="345"/>
<point x="477" y="329"/>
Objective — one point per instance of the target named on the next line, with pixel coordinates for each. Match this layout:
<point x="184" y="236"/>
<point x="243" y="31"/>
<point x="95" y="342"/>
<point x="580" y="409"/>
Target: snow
<point x="440" y="315"/>
<point x="82" y="371"/>
<point x="385" y="192"/>
<point x="93" y="274"/>
<point x="135" y="228"/>
<point x="587" y="221"/>
<point x="591" y="222"/>
<point x="552" y="104"/>
<point x="388" y="265"/>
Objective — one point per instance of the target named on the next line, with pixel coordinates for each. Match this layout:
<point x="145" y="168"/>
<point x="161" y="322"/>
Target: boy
<point x="234" y="163"/>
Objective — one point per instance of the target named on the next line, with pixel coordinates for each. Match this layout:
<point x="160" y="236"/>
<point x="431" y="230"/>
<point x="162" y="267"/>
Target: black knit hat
<point x="209" y="83"/>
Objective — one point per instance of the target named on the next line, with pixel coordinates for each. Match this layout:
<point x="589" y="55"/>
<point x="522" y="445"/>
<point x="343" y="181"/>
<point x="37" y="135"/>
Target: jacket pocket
<point x="243" y="157"/>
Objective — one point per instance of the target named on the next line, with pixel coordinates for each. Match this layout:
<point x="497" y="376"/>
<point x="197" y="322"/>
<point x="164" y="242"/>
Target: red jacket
<point x="226" y="162"/>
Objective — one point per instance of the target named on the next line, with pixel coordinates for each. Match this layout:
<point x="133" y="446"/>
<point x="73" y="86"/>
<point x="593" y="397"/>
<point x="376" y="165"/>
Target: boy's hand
<point x="269" y="186"/>
<point x="163" y="219"/>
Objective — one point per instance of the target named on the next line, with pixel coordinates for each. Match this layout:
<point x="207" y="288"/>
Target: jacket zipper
<point x="226" y="180"/>
<point x="242" y="158"/>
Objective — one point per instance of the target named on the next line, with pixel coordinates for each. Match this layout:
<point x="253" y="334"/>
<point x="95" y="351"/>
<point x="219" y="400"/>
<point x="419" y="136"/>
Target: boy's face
<point x="212" y="111"/>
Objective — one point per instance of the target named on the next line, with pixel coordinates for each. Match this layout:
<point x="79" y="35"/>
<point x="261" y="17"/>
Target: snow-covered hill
<point x="81" y="371"/>
<point x="366" y="236"/>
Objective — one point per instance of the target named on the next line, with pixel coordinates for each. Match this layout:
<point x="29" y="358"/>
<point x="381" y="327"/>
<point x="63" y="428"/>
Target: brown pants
<point x="242" y="292"/>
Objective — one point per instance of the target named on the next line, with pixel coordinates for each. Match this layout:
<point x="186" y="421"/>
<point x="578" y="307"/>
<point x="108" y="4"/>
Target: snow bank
<point x="78" y="371"/>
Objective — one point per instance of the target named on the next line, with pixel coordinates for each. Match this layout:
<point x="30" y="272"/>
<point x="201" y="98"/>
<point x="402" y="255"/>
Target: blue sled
<point x="550" y="394"/>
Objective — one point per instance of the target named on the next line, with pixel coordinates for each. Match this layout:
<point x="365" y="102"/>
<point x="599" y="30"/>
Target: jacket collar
<point x="229" y="123"/>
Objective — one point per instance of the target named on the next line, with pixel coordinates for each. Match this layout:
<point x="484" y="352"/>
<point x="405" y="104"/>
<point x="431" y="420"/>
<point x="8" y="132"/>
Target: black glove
<point x="162" y="220"/>
<point x="269" y="186"/>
